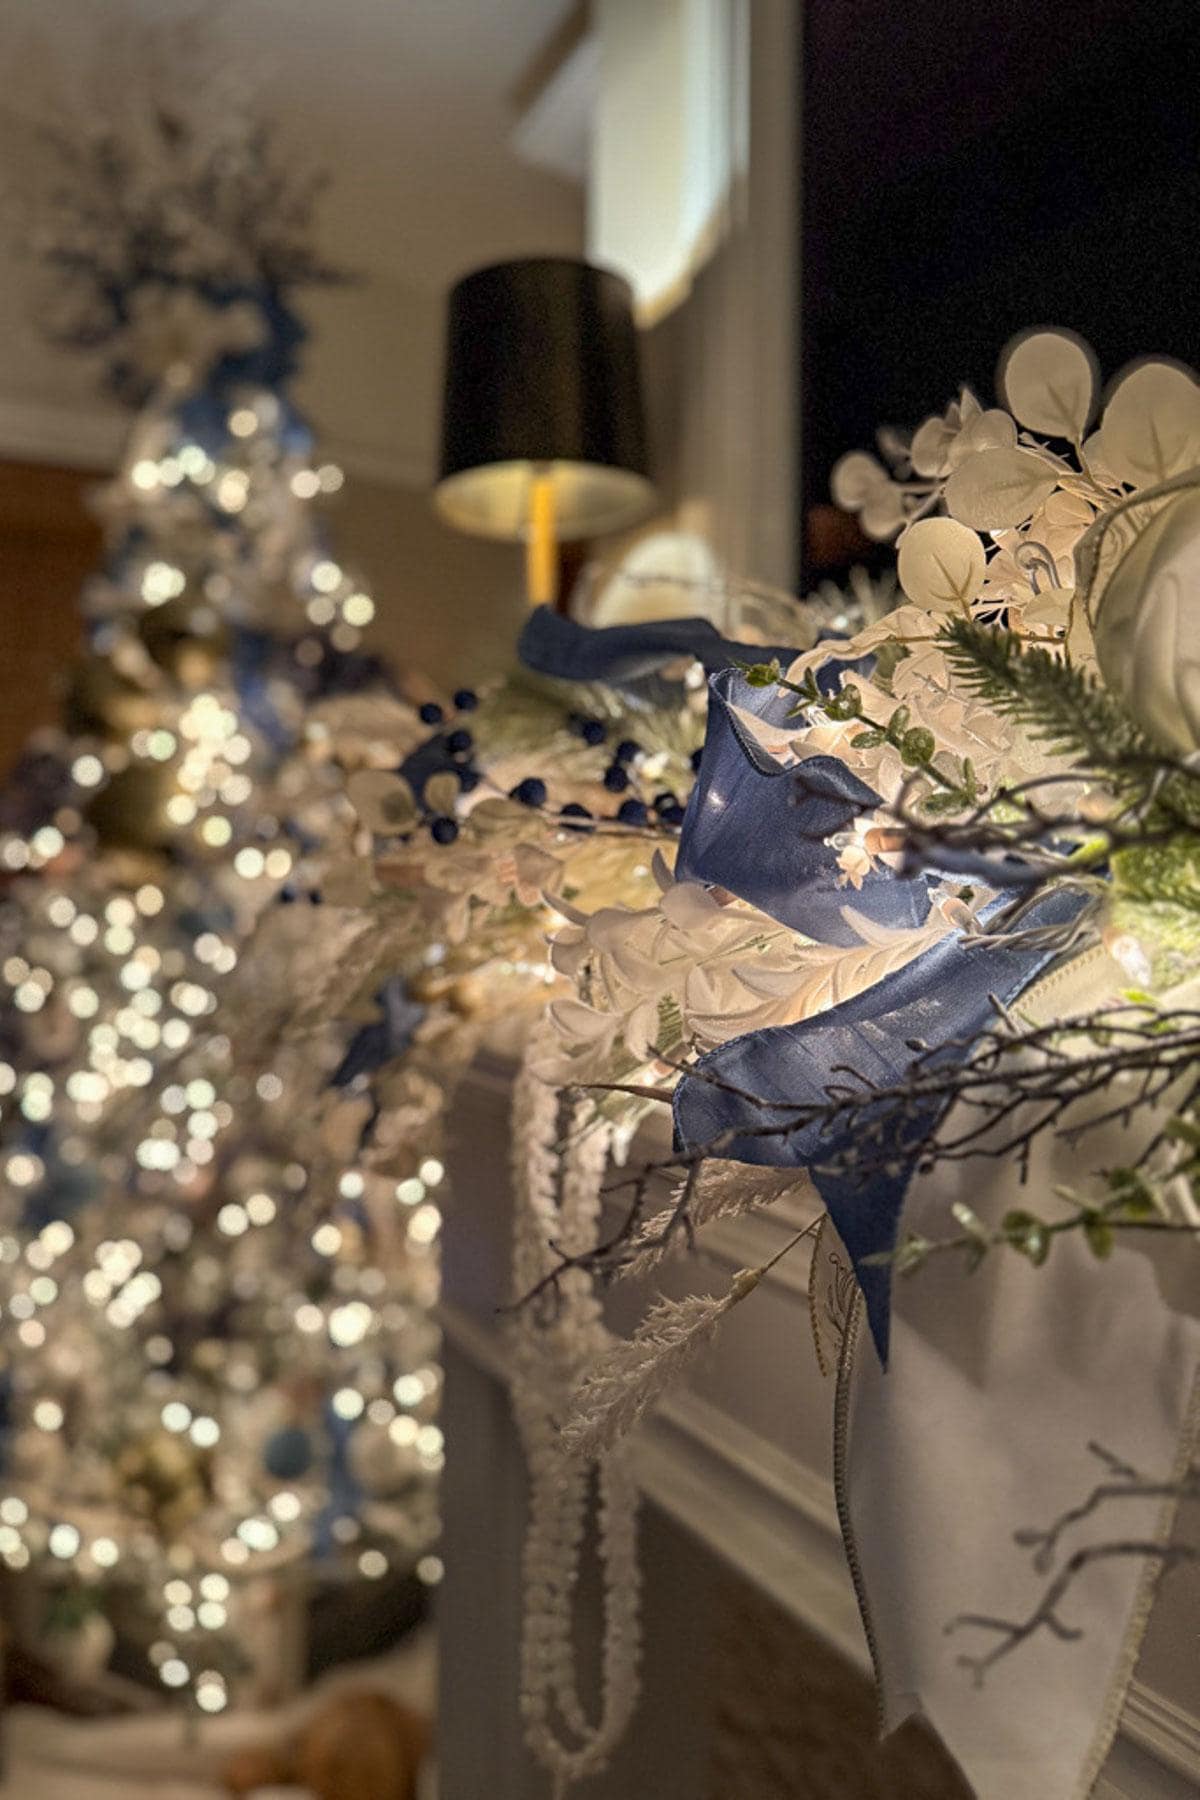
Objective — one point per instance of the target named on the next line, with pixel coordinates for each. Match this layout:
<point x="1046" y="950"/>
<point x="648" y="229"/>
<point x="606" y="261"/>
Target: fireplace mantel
<point x="740" y="1460"/>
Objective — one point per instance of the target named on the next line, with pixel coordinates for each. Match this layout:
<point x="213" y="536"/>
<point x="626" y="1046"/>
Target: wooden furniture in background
<point x="49" y="542"/>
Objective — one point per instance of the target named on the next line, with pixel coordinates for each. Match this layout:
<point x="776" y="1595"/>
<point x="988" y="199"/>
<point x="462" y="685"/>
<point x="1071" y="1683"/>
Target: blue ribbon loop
<point x="552" y="644"/>
<point x="758" y="828"/>
<point x="943" y="999"/>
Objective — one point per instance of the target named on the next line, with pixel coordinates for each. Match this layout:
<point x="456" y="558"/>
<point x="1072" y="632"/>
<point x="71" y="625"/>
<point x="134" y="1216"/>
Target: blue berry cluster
<point x="456" y="746"/>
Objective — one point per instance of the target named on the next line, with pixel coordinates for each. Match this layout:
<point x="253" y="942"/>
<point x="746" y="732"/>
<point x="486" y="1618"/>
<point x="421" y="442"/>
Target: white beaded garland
<point x="559" y="1202"/>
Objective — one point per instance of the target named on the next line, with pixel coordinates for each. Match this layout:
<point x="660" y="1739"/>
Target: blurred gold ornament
<point x="131" y="812"/>
<point x="101" y="700"/>
<point x="187" y="638"/>
<point x="164" y="1478"/>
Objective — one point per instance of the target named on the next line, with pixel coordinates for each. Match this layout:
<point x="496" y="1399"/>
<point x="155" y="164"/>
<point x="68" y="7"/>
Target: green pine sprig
<point x="1056" y="702"/>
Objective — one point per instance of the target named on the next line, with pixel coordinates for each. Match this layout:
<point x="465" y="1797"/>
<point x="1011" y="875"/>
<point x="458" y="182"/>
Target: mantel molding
<point x="772" y="1518"/>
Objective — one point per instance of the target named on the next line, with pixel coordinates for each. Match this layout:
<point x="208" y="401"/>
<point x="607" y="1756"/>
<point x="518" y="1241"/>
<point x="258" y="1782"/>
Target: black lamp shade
<point x="542" y="379"/>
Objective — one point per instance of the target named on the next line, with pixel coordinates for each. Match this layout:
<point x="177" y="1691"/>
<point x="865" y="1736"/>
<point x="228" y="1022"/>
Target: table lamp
<point x="543" y="435"/>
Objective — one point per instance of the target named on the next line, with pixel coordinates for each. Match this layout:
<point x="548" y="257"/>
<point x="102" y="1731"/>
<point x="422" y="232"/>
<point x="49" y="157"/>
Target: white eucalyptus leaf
<point x="1147" y="629"/>
<point x="442" y="792"/>
<point x="383" y="801"/>
<point x="855" y="477"/>
<point x="991" y="430"/>
<point x="998" y="488"/>
<point x="1151" y="426"/>
<point x="930" y="448"/>
<point x="1097" y="463"/>
<point x="1048" y="380"/>
<point x="883" y="514"/>
<point x="941" y="565"/>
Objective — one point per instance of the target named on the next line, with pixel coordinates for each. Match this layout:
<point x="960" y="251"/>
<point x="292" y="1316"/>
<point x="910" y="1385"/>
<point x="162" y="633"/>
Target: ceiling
<point x="407" y="103"/>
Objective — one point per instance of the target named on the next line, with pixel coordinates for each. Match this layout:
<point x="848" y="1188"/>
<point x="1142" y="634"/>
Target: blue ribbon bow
<point x="758" y="828"/>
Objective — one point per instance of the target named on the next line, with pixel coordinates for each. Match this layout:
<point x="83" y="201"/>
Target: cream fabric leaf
<point x="854" y="478"/>
<point x="1048" y="380"/>
<point x="991" y="430"/>
<point x="941" y="564"/>
<point x="931" y="445"/>
<point x="999" y="488"/>
<point x="883" y="514"/>
<point x="1151" y="426"/>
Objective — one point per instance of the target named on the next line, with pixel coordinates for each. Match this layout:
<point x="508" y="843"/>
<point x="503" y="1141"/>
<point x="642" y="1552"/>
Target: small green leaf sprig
<point x="954" y="777"/>
<point x="1131" y="1200"/>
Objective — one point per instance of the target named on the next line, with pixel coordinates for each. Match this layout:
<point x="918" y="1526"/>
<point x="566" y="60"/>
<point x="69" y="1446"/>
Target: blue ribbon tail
<point x="944" y="1000"/>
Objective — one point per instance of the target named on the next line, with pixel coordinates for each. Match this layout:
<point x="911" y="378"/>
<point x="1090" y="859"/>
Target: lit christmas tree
<point x="219" y="1367"/>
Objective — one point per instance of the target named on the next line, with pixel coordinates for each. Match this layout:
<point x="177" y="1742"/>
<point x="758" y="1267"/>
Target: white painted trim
<point x="86" y="437"/>
<point x="772" y="1519"/>
<point x="1167" y="1732"/>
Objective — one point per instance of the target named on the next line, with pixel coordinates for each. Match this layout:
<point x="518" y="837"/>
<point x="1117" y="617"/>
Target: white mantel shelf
<point x="740" y="1459"/>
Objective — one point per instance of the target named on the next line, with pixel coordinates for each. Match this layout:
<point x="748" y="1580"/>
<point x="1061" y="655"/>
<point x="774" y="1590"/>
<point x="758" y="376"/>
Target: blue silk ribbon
<point x="552" y="644"/>
<point x="944" y="999"/>
<point x="758" y="828"/>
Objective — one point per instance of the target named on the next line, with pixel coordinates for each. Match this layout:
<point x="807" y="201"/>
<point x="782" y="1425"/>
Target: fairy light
<point x="326" y="577"/>
<point x="89" y="771"/>
<point x="63" y="1542"/>
<point x="211" y="1696"/>
<point x="424" y="1224"/>
<point x="358" y="609"/>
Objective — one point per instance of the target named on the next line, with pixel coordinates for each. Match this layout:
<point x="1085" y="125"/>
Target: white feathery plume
<point x="628" y="1378"/>
<point x="721" y="1190"/>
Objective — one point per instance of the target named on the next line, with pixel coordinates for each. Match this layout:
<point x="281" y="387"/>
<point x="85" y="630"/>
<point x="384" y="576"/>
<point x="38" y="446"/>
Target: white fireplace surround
<point x="739" y="1461"/>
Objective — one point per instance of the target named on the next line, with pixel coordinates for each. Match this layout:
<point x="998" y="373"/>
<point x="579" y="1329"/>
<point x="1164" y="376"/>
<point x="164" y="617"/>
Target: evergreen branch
<point x="1056" y="701"/>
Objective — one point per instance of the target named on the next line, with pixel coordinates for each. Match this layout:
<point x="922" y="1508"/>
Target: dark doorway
<point x="972" y="167"/>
